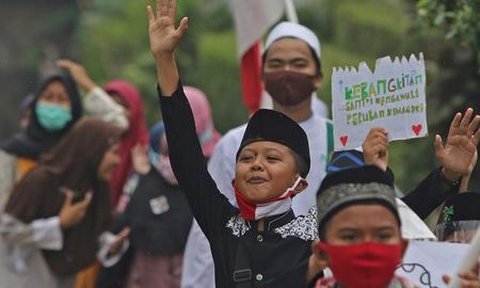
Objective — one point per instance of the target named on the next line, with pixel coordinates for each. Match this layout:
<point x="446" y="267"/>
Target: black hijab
<point x="35" y="140"/>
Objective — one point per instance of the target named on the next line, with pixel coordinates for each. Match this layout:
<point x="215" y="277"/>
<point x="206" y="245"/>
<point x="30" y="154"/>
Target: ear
<point x="404" y="246"/>
<point x="320" y="255"/>
<point x="317" y="81"/>
<point x="317" y="262"/>
<point x="302" y="185"/>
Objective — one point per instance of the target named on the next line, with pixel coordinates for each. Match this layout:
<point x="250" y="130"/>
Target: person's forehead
<point x="371" y="214"/>
<point x="55" y="84"/>
<point x="292" y="47"/>
<point x="266" y="145"/>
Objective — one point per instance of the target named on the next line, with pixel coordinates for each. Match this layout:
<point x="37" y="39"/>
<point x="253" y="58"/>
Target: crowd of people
<point x="90" y="197"/>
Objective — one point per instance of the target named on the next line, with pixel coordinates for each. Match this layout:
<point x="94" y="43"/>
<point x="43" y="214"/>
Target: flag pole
<point x="291" y="12"/>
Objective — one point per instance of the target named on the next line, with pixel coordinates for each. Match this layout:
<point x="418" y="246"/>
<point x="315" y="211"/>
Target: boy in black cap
<point x="359" y="228"/>
<point x="360" y="236"/>
<point x="261" y="243"/>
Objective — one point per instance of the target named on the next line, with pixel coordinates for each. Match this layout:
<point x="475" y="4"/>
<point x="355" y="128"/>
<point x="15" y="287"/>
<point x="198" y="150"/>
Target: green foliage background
<point x="111" y="40"/>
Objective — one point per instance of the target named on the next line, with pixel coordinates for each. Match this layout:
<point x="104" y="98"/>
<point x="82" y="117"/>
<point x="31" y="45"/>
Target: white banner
<point x="425" y="262"/>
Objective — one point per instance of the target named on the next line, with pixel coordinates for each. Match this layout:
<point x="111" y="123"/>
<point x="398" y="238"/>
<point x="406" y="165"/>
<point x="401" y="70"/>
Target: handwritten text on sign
<point x="392" y="97"/>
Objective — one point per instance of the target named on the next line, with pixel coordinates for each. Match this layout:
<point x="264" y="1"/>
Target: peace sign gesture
<point x="164" y="37"/>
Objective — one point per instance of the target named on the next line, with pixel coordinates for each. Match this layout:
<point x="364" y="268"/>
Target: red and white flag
<point x="252" y="19"/>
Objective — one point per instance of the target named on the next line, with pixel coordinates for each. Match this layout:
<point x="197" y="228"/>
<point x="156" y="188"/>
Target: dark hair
<point x="318" y="63"/>
<point x="322" y="229"/>
<point x="299" y="163"/>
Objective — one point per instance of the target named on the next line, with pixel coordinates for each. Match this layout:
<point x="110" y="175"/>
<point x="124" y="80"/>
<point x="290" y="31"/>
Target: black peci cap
<point x="274" y="126"/>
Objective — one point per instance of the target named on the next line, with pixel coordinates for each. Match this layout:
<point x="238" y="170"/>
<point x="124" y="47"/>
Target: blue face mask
<point x="52" y="117"/>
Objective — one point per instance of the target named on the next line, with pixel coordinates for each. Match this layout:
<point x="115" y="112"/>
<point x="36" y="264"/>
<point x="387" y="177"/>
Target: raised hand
<point x="462" y="140"/>
<point x="79" y="74"/>
<point x="164" y="37"/>
<point x="375" y="148"/>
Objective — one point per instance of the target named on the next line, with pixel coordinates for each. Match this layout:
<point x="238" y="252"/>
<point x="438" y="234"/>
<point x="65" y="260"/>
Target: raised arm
<point x="455" y="158"/>
<point x="462" y="140"/>
<point x="96" y="101"/>
<point x="210" y="208"/>
<point x="164" y="38"/>
<point x="466" y="179"/>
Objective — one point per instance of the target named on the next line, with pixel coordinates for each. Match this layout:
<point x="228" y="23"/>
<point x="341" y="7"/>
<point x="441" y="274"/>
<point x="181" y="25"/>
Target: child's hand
<point x="463" y="137"/>
<point x="375" y="148"/>
<point x="164" y="37"/>
<point x="468" y="279"/>
<point x="72" y="213"/>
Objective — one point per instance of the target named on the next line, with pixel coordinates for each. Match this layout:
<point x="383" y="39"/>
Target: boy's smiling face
<point x="264" y="170"/>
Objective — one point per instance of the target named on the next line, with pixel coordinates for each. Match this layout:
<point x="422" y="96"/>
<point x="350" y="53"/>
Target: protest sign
<point x="425" y="262"/>
<point x="392" y="97"/>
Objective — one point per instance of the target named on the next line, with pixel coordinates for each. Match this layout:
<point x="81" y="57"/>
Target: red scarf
<point x="278" y="205"/>
<point x="136" y="133"/>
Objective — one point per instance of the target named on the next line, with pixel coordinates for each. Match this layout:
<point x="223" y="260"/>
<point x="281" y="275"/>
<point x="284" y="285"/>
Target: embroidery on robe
<point x="238" y="225"/>
<point x="303" y="227"/>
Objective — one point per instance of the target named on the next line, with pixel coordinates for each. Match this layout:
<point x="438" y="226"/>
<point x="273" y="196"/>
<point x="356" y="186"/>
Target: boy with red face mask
<point x="359" y="225"/>
<point x="359" y="229"/>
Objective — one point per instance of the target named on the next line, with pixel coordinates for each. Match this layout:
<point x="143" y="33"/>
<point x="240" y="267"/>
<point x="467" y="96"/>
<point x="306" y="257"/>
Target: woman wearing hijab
<point x="55" y="107"/>
<point x="128" y="96"/>
<point x="129" y="105"/>
<point x="158" y="213"/>
<point x="118" y="102"/>
<point x="67" y="192"/>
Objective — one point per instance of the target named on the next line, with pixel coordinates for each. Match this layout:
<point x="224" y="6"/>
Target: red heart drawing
<point x="344" y="140"/>
<point x="417" y="128"/>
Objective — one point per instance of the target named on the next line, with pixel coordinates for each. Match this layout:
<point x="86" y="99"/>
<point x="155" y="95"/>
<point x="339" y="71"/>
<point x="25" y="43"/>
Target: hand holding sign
<point x="393" y="96"/>
<point x="375" y="148"/>
<point x="468" y="263"/>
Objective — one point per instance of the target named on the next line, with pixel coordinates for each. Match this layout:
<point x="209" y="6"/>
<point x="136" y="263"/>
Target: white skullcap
<point x="295" y="30"/>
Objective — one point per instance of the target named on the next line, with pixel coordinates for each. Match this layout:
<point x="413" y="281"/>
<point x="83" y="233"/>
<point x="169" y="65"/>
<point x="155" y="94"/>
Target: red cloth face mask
<point x="366" y="265"/>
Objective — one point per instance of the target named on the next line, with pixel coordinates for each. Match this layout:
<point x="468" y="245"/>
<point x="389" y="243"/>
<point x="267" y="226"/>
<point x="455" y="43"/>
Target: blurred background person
<point x="58" y="211"/>
<point x="55" y="107"/>
<point x="25" y="111"/>
<point x="119" y="102"/>
<point x="157" y="212"/>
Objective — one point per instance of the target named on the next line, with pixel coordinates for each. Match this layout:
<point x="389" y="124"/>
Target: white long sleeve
<point x="99" y="104"/>
<point x="24" y="239"/>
